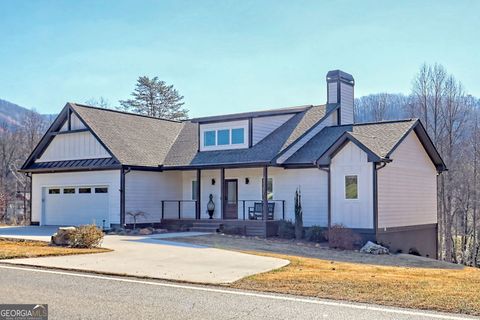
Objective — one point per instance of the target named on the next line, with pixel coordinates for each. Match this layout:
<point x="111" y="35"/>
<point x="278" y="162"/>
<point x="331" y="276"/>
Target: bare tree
<point x="101" y="102"/>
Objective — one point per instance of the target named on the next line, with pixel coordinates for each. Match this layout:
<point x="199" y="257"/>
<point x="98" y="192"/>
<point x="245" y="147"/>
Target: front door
<point x="230" y="203"/>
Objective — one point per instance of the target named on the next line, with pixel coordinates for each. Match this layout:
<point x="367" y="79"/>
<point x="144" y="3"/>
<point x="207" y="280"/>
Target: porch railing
<point x="186" y="209"/>
<point x="180" y="207"/>
<point x="279" y="208"/>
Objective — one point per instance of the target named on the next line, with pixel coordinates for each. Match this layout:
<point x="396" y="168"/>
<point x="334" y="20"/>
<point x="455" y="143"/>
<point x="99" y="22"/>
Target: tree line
<point x="452" y="118"/>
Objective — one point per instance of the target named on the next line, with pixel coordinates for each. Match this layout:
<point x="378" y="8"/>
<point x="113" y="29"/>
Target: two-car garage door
<point x="75" y="205"/>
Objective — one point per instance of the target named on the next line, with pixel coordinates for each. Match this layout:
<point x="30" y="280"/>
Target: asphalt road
<point x="88" y="296"/>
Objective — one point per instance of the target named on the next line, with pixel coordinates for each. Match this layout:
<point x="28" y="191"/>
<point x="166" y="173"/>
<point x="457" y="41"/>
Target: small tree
<point x="135" y="215"/>
<point x="298" y="214"/>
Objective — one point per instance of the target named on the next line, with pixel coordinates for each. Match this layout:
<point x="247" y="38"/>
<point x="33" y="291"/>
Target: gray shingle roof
<point x="379" y="137"/>
<point x="133" y="139"/>
<point x="184" y="150"/>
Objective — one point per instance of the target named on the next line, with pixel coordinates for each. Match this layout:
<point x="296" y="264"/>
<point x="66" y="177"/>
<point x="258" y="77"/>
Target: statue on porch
<point x="210" y="206"/>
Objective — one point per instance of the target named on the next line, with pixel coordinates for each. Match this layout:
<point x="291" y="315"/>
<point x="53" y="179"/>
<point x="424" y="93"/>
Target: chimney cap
<point x="339" y="75"/>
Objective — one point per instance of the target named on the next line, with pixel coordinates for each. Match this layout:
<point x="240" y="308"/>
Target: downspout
<point x="375" y="195"/>
<point x="327" y="170"/>
<point x="123" y="172"/>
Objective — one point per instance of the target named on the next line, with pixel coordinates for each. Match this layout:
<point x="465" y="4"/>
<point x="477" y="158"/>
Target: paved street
<point x="90" y="296"/>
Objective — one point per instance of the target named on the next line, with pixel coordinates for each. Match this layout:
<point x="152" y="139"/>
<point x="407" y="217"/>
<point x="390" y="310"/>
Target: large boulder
<point x="63" y="236"/>
<point x="374" y="248"/>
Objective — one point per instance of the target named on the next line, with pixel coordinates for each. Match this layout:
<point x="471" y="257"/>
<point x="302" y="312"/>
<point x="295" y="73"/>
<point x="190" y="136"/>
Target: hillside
<point x="11" y="114"/>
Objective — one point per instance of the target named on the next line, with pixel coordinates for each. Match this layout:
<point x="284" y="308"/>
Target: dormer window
<point x="224" y="136"/>
<point x="238" y="136"/>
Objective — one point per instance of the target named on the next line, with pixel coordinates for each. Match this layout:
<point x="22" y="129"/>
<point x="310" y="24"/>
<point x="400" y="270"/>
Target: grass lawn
<point x="446" y="290"/>
<point x="13" y="248"/>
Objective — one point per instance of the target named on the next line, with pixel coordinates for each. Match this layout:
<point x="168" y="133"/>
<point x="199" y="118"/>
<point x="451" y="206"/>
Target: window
<point x="351" y="187"/>
<point x="194" y="190"/>
<point x="223" y="137"/>
<point x="84" y="190"/>
<point x="238" y="136"/>
<point x="209" y="138"/>
<point x="54" y="191"/>
<point x="69" y="190"/>
<point x="101" y="190"/>
<point x="269" y="188"/>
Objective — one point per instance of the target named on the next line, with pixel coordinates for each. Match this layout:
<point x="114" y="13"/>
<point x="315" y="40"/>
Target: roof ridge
<point x="122" y="112"/>
<point x="376" y="122"/>
<point x="292" y="109"/>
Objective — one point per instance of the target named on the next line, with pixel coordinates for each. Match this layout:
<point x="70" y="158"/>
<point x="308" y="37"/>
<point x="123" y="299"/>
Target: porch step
<point x="205" y="227"/>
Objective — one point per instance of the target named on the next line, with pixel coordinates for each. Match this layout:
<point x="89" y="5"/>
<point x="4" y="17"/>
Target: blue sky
<point x="228" y="56"/>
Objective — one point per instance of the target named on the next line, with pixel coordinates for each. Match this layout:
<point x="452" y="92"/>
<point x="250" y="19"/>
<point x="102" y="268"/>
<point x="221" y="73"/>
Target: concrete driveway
<point x="151" y="256"/>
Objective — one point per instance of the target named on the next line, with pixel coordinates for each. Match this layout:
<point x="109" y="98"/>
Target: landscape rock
<point x="160" y="231"/>
<point x="145" y="231"/>
<point x="373" y="248"/>
<point x="63" y="236"/>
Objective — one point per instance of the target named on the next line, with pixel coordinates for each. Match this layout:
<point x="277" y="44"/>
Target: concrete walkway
<point x="152" y="256"/>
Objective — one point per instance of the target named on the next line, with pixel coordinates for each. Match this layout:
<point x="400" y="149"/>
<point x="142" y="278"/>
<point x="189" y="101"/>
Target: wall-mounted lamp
<point x="247" y="181"/>
<point x="213" y="182"/>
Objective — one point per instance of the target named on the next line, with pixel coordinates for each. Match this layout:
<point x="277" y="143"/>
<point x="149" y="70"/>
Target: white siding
<point x="346" y="103"/>
<point x="332" y="92"/>
<point x="407" y="187"/>
<point x="144" y="191"/>
<point x="76" y="123"/>
<point x="107" y="178"/>
<point x="74" y="146"/>
<point x="224" y="125"/>
<point x="206" y="189"/>
<point x="329" y="121"/>
<point x="358" y="213"/>
<point x="263" y="126"/>
<point x="313" y="184"/>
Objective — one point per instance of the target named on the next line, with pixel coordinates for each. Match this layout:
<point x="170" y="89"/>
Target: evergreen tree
<point x="153" y="97"/>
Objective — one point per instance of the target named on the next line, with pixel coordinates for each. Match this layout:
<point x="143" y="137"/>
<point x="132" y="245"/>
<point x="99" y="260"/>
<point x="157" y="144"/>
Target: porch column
<point x="264" y="193"/>
<point x="222" y="191"/>
<point x="198" y="206"/>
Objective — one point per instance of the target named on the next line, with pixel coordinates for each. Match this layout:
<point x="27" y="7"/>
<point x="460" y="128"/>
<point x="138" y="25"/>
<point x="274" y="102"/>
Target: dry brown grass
<point x="13" y="248"/>
<point x="434" y="289"/>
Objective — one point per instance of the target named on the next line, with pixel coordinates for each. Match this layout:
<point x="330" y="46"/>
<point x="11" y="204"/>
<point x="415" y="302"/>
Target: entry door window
<point x="232" y="192"/>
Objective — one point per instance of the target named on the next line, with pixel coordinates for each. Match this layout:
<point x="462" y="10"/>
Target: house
<point x="379" y="179"/>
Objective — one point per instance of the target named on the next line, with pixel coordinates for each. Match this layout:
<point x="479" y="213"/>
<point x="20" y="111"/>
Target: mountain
<point x="11" y="114"/>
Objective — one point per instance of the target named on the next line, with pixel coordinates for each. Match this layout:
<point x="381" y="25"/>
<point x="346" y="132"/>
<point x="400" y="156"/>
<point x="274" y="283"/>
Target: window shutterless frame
<point x="351" y="187"/>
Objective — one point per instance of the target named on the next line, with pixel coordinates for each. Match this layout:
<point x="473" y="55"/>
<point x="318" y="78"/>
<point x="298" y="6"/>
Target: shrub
<point x="315" y="234"/>
<point x="298" y="214"/>
<point x="343" y="238"/>
<point x="87" y="236"/>
<point x="286" y="230"/>
<point x="233" y="230"/>
<point x="414" y="251"/>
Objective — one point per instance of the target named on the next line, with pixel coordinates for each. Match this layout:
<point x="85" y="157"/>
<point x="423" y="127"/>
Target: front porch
<point x="227" y="199"/>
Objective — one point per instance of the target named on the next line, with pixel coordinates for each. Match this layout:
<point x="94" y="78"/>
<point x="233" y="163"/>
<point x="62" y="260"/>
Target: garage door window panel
<point x="69" y="190"/>
<point x="54" y="191"/>
<point x="84" y="190"/>
<point x="101" y="190"/>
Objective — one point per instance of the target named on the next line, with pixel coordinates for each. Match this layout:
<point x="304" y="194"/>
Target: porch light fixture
<point x="247" y="180"/>
<point x="213" y="182"/>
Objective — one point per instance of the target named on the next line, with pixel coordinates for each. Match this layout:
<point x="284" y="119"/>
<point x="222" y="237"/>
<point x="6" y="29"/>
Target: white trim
<point x="241" y="124"/>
